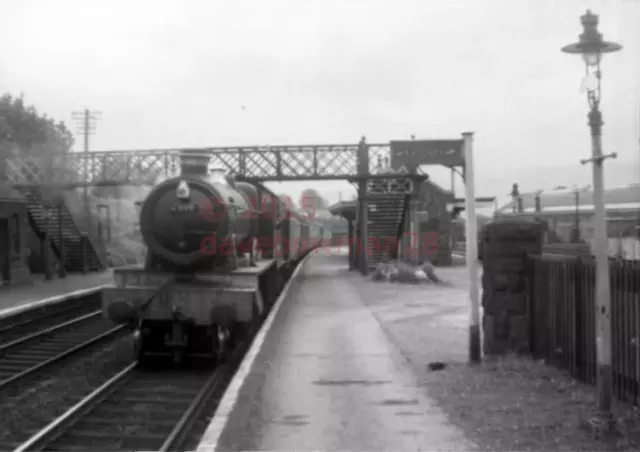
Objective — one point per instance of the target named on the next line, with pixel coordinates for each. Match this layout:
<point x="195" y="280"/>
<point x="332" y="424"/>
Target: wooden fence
<point x="562" y="290"/>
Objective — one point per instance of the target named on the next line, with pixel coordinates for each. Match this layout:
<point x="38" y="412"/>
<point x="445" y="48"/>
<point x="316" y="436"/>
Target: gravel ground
<point x="27" y="409"/>
<point x="508" y="404"/>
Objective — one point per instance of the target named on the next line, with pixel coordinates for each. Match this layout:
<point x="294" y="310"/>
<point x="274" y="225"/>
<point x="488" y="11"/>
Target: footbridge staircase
<point x="387" y="205"/>
<point x="53" y="222"/>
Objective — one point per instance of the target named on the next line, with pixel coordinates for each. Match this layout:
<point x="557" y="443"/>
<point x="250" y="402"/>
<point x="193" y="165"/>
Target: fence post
<point x="578" y="317"/>
<point x="530" y="290"/>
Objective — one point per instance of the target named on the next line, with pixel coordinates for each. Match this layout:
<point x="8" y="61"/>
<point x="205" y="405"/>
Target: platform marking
<point x="213" y="433"/>
<point x="9" y="312"/>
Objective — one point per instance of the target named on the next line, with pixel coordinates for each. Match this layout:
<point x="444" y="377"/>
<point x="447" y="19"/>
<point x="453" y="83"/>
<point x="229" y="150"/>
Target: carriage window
<point x="15" y="219"/>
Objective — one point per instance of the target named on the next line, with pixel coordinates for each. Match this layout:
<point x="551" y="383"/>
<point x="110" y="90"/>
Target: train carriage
<point x="290" y="235"/>
<point x="314" y="235"/>
<point x="326" y="236"/>
<point x="272" y="213"/>
<point x="305" y="234"/>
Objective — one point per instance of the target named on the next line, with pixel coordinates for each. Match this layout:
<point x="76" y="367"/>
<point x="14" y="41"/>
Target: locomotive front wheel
<point x="139" y="350"/>
<point x="221" y="343"/>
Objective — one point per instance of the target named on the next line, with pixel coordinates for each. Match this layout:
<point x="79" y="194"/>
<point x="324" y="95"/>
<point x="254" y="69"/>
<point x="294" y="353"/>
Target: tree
<point x="24" y="130"/>
<point x="311" y="200"/>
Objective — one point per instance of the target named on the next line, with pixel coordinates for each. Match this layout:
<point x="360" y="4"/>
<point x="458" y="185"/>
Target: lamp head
<point x="591" y="45"/>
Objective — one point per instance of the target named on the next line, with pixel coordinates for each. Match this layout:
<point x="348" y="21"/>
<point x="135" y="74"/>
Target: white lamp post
<point x="592" y="47"/>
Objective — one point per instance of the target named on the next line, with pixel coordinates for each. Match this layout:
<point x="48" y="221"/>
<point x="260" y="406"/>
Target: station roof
<point x="623" y="198"/>
<point x="343" y="208"/>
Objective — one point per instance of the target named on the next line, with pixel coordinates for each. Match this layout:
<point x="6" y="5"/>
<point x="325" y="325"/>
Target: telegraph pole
<point x="85" y="120"/>
<point x="86" y="123"/>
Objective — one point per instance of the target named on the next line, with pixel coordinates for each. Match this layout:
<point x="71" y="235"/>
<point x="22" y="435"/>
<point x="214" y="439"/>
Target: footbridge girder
<point x="386" y="174"/>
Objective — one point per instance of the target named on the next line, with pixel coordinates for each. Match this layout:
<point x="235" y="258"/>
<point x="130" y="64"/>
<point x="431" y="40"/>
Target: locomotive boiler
<point x="197" y="221"/>
<point x="194" y="295"/>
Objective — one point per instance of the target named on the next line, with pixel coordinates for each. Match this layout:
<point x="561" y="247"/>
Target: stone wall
<point x="506" y="320"/>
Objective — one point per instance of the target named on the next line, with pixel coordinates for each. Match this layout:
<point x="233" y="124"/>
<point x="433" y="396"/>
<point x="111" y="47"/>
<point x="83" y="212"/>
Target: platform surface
<point x="327" y="378"/>
<point x="261" y="266"/>
<point x="42" y="290"/>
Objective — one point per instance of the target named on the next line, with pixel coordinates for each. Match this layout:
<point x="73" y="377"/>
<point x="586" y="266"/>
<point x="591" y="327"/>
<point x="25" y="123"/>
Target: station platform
<point x="42" y="292"/>
<point x="323" y="375"/>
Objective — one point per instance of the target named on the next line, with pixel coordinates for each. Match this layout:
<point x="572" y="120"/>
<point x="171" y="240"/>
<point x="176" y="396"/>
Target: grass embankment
<point x="507" y="404"/>
<point x="522" y="404"/>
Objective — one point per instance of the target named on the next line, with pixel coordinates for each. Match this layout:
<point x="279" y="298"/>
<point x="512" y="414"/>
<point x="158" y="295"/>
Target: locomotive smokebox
<point x="188" y="221"/>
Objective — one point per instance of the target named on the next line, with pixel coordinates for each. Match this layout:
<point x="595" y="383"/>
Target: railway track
<point x="13" y="328"/>
<point x="27" y="355"/>
<point x="138" y="409"/>
<point x="134" y="410"/>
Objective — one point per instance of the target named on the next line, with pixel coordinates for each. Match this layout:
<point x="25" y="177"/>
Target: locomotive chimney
<point x="194" y="163"/>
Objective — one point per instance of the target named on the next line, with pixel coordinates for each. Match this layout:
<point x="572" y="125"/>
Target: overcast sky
<point x="170" y="73"/>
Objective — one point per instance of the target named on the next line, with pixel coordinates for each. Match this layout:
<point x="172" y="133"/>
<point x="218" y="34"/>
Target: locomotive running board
<point x="194" y="302"/>
<point x="136" y="275"/>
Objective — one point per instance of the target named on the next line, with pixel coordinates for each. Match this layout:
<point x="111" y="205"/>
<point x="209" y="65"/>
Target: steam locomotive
<point x="213" y="245"/>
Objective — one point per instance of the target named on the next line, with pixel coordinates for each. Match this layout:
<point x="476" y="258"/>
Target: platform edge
<point x="216" y="427"/>
<point x="16" y="310"/>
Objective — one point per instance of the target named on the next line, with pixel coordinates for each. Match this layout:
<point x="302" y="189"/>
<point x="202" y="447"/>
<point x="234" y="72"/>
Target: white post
<point x="475" y="355"/>
<point x="604" y="346"/>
